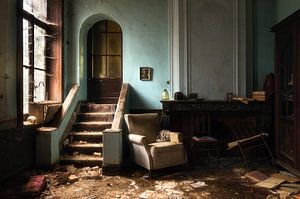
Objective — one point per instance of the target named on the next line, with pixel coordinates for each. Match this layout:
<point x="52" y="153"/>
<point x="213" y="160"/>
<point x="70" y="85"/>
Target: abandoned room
<point x="149" y="99"/>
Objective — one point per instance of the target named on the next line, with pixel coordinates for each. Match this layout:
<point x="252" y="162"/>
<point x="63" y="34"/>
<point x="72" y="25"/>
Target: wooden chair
<point x="251" y="142"/>
<point x="202" y="140"/>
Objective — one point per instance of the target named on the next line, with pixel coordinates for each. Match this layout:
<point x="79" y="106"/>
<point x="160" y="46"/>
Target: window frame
<point x="53" y="58"/>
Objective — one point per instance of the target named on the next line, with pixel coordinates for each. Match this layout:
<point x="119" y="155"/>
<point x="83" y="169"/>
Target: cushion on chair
<point x="147" y="124"/>
<point x="167" y="154"/>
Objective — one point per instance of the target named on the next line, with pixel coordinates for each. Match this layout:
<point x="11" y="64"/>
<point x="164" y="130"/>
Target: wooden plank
<point x="285" y="177"/>
<point x="270" y="183"/>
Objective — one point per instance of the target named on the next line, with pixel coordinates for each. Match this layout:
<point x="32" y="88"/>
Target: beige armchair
<point x="146" y="151"/>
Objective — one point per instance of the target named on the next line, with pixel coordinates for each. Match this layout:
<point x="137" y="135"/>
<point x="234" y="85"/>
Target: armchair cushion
<point x="144" y="124"/>
<point x="175" y="137"/>
<point x="166" y="154"/>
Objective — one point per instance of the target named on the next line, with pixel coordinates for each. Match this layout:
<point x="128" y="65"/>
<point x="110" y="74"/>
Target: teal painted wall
<point x="267" y="13"/>
<point x="263" y="41"/>
<point x="285" y="8"/>
<point x="145" y="43"/>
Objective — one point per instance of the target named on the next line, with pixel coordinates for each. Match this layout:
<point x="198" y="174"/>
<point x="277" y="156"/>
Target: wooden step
<point x="93" y="107"/>
<point x="109" y="100"/>
<point x="81" y="160"/>
<point x="86" y="137"/>
<point x="95" y="116"/>
<point x="84" y="147"/>
<point x="89" y="136"/>
<point x="91" y="126"/>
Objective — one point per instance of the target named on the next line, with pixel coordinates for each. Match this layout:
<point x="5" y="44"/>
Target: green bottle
<point x="165" y="95"/>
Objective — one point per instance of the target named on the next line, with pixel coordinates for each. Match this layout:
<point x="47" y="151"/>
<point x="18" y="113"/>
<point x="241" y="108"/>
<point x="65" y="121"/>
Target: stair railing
<point x="48" y="138"/>
<point x="113" y="137"/>
<point x="121" y="108"/>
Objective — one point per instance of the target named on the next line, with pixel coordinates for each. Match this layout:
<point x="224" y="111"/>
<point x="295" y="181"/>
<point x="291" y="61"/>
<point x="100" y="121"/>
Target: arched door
<point x="104" y="62"/>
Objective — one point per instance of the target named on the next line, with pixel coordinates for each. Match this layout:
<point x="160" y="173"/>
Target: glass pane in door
<point x="113" y="27"/>
<point x="114" y="44"/>
<point x="99" y="67"/>
<point x="99" y="44"/>
<point x="114" y="65"/>
<point x="99" y="27"/>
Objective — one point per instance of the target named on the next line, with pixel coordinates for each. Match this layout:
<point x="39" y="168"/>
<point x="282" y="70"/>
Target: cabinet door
<point x="285" y="97"/>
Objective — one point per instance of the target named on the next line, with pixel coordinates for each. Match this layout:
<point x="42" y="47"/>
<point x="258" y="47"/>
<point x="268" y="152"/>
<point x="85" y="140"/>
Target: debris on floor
<point x="68" y="181"/>
<point x="146" y="194"/>
<point x="256" y="176"/>
<point x="286" y="176"/>
<point x="282" y="185"/>
<point x="198" y="184"/>
<point x="270" y="183"/>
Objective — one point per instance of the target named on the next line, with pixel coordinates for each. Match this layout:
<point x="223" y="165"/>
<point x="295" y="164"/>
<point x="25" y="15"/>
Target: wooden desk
<point x="181" y="116"/>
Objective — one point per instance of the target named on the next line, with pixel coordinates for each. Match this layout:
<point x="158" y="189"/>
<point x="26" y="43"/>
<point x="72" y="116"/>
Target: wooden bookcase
<point x="287" y="92"/>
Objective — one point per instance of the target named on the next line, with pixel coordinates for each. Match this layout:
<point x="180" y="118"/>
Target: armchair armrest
<point x="175" y="137"/>
<point x="138" y="139"/>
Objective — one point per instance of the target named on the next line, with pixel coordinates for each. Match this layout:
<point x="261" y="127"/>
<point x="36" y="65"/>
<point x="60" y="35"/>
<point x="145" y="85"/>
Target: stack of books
<point x="259" y="95"/>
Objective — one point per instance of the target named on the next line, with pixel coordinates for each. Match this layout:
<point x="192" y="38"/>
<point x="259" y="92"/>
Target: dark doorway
<point x="104" y="62"/>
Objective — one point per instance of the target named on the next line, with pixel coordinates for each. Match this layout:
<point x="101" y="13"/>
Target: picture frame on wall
<point x="146" y="73"/>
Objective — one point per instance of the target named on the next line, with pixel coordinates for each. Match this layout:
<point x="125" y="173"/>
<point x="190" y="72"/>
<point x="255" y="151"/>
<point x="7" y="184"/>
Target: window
<point x="40" y="63"/>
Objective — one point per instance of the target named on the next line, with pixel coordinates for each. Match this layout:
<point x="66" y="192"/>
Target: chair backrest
<point x="244" y="129"/>
<point x="146" y="124"/>
<point x="202" y="124"/>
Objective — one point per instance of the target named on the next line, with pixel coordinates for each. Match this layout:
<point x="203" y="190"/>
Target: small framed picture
<point x="145" y="73"/>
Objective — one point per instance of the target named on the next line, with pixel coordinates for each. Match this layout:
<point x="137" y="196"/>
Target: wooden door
<point x="104" y="62"/>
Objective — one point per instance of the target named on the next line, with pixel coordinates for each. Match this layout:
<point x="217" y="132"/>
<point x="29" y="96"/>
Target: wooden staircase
<point x="84" y="144"/>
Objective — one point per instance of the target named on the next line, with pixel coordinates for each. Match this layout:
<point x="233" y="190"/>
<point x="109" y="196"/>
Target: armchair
<point x="146" y="150"/>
